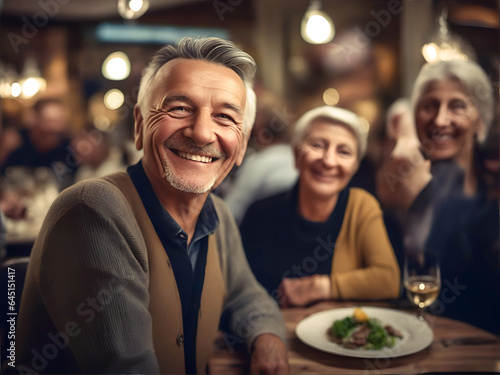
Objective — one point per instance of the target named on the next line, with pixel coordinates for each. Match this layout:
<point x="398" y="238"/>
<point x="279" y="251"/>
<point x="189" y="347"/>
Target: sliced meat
<point x="393" y="332"/>
<point x="360" y="337"/>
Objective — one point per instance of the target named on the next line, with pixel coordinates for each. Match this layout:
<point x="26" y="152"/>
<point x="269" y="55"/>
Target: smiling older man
<point x="132" y="272"/>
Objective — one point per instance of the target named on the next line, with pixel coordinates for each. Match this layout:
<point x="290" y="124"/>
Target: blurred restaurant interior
<point x="91" y="54"/>
<point x="372" y="59"/>
<point x="361" y="55"/>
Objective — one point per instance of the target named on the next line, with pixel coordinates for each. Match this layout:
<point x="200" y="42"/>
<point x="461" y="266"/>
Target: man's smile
<point x="185" y="149"/>
<point x="200" y="158"/>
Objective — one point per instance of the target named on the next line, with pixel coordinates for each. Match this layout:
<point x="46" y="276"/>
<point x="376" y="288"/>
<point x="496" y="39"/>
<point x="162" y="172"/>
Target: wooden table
<point x="483" y="355"/>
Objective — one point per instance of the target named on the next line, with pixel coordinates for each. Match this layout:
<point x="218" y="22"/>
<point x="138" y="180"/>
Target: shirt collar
<point x="207" y="220"/>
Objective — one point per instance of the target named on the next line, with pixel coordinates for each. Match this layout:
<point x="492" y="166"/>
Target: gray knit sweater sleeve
<point x="250" y="309"/>
<point x="94" y="279"/>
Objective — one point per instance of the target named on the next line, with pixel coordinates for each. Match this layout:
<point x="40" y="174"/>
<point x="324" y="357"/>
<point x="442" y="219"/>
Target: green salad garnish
<point x="360" y="332"/>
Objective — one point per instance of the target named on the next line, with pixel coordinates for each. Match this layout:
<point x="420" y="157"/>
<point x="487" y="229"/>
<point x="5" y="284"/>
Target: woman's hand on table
<point x="269" y="355"/>
<point x="303" y="291"/>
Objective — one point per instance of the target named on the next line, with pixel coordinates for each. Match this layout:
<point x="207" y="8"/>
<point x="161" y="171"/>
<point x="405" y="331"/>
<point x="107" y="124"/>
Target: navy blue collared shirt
<point x="188" y="261"/>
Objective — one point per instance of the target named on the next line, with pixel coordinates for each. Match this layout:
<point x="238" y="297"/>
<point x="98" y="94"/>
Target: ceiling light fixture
<point x="7" y="79"/>
<point x="116" y="66"/>
<point x="317" y="26"/>
<point x="31" y="80"/>
<point x="132" y="9"/>
<point x="444" y="45"/>
<point x="114" y="99"/>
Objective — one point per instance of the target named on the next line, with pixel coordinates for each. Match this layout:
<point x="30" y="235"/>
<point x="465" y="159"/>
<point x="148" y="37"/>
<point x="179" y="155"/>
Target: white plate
<point x="417" y="335"/>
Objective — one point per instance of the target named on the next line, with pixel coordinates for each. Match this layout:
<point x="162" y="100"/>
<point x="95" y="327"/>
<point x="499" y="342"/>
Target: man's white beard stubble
<point x="181" y="185"/>
<point x="174" y="180"/>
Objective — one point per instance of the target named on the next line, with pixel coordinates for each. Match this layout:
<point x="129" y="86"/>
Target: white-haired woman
<point x="446" y="207"/>
<point x="452" y="104"/>
<point x="322" y="240"/>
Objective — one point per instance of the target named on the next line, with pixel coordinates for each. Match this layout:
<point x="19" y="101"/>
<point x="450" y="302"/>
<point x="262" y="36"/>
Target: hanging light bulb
<point x="132" y="9"/>
<point x="316" y="27"/>
<point x="444" y="45"/>
<point x="31" y="81"/>
<point x="16" y="90"/>
<point x="114" y="99"/>
<point x="331" y="96"/>
<point x="12" y="79"/>
<point x="116" y="66"/>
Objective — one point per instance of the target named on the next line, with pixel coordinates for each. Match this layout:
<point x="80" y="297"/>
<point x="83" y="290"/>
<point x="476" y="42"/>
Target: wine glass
<point x="422" y="279"/>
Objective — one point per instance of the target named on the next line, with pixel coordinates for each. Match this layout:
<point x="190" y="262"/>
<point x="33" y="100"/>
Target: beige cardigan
<point x="100" y="278"/>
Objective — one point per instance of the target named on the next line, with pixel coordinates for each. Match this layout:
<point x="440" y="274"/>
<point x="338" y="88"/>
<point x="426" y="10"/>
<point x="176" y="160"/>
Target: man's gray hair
<point x="213" y="50"/>
<point x="473" y="80"/>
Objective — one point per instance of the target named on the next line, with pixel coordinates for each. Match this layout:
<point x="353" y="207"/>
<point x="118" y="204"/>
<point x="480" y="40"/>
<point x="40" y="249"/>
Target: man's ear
<point x="139" y="123"/>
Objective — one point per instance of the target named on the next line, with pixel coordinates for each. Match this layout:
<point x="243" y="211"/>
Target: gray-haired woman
<point x="322" y="240"/>
<point x="447" y="208"/>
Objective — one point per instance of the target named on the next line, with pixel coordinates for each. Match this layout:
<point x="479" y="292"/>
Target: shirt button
<point x="180" y="339"/>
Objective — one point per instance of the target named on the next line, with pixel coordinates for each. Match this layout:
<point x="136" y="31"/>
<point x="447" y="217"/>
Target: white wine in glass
<point x="422" y="279"/>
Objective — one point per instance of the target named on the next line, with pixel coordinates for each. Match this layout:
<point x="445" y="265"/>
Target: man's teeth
<point x="202" y="158"/>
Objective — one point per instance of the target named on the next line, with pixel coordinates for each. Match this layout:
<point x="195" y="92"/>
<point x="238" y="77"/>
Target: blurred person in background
<point x="401" y="144"/>
<point x="10" y="139"/>
<point x="270" y="169"/>
<point x="436" y="181"/>
<point x="144" y="262"/>
<point x="46" y="143"/>
<point x="12" y="204"/>
<point x="322" y="240"/>
<point x="95" y="155"/>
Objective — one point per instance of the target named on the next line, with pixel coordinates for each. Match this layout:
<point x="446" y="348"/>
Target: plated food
<point x="358" y="331"/>
<point x="314" y="331"/>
